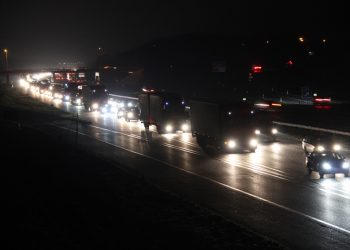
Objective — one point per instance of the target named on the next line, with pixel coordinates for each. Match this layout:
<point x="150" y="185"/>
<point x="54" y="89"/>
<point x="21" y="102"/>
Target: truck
<point x="95" y="97"/>
<point x="164" y="110"/>
<point x="225" y="125"/>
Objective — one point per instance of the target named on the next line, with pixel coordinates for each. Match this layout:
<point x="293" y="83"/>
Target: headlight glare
<point x="326" y="166"/>
<point x="169" y="128"/>
<point x="253" y="142"/>
<point x="231" y="144"/>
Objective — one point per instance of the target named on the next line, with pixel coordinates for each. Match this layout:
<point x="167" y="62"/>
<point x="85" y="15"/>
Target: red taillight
<point x="257" y="69"/>
<point x="276" y="104"/>
<point x="322" y="99"/>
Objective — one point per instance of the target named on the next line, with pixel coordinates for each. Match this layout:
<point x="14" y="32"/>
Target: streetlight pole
<point x="7" y="66"/>
<point x="7" y="63"/>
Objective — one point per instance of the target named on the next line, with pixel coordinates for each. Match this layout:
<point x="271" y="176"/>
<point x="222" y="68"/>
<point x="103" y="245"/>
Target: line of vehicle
<point x="291" y="210"/>
<point x="257" y="168"/>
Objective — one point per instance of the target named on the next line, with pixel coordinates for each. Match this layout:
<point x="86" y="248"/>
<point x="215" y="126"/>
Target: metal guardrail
<point x="123" y="97"/>
<point x="312" y="128"/>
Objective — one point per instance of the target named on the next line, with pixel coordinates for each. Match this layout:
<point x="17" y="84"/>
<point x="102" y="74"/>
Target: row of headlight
<point x="328" y="166"/>
<point x="169" y="128"/>
<point x="232" y="143"/>
<point x="273" y="131"/>
<point x="336" y="147"/>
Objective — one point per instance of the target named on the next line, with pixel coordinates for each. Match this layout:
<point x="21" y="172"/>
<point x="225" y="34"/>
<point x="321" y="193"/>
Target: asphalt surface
<point x="268" y="191"/>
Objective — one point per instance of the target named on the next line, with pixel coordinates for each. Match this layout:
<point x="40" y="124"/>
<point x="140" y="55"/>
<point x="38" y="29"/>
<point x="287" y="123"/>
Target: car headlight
<point x="231" y="144"/>
<point x="104" y="110"/>
<point x="184" y="127"/>
<point x="253" y="142"/>
<point x="274" y="131"/>
<point x="67" y="98"/>
<point x="336" y="147"/>
<point x="326" y="166"/>
<point x="95" y="106"/>
<point x="346" y="165"/>
<point x="320" y="148"/>
<point x="169" y="128"/>
<point x="257" y="132"/>
<point x="79" y="101"/>
<point x="130" y="115"/>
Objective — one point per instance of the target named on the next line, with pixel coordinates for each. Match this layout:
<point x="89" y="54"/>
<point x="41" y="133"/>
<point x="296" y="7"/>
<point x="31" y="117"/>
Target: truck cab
<point x="95" y="97"/>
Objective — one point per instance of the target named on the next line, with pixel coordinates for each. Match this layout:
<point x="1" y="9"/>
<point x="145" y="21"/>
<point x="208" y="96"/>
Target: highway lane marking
<point x="334" y="193"/>
<point x="254" y="167"/>
<point x="291" y="210"/>
<point x="257" y="168"/>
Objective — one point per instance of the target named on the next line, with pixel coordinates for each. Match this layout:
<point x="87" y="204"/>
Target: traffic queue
<point x="226" y="126"/>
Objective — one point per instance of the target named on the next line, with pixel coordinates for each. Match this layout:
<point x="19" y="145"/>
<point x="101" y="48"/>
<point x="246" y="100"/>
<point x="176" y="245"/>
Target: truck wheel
<point x="252" y="150"/>
<point x="201" y="141"/>
<point x="308" y="167"/>
<point x="146" y="126"/>
<point x="160" y="130"/>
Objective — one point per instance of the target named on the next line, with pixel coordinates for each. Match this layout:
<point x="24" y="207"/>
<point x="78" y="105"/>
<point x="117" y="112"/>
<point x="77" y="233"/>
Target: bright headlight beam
<point x="231" y="144"/>
<point x="253" y="142"/>
<point x="326" y="166"/>
<point x="184" y="127"/>
<point x="336" y="147"/>
<point x="169" y="128"/>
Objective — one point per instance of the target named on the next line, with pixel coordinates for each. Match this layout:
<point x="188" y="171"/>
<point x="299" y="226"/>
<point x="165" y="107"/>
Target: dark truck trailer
<point x="225" y="125"/>
<point x="164" y="110"/>
<point x="95" y="97"/>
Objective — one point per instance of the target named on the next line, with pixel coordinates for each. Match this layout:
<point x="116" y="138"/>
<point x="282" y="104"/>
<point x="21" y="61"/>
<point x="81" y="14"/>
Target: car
<point x="320" y="143"/>
<point x="267" y="105"/>
<point x="322" y="100"/>
<point x="327" y="162"/>
<point x="57" y="91"/>
<point x="131" y="114"/>
<point x="76" y="98"/>
<point x="264" y="125"/>
<point x="121" y="112"/>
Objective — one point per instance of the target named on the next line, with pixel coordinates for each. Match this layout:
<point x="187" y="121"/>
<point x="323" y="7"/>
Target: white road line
<point x="220" y="183"/>
<point x="256" y="168"/>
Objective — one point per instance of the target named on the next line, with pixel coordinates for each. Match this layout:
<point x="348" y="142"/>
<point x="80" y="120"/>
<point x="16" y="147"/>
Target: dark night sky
<point x="41" y="33"/>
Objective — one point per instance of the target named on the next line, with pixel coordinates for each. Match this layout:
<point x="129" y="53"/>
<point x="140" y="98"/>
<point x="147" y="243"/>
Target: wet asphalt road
<point x="268" y="191"/>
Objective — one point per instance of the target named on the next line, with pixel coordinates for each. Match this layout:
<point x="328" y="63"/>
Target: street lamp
<point x="7" y="64"/>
